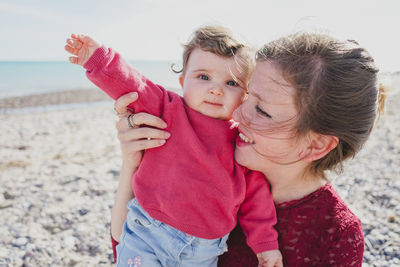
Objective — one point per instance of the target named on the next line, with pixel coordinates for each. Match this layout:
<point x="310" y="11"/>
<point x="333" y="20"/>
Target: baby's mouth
<point x="213" y="104"/>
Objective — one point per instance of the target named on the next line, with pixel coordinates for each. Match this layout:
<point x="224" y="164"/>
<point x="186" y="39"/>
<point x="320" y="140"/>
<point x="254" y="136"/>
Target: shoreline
<point x="56" y="100"/>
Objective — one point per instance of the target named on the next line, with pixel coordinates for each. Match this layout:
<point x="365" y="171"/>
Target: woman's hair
<point x="337" y="91"/>
<point x="220" y="41"/>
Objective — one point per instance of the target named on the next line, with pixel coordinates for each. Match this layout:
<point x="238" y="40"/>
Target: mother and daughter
<point x="307" y="103"/>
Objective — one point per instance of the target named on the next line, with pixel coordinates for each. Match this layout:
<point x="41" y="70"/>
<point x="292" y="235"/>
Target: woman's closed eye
<point x="204" y="77"/>
<point x="262" y="112"/>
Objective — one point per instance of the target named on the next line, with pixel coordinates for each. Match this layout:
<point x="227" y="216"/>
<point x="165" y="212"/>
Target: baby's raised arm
<point x="82" y="47"/>
<point x="111" y="73"/>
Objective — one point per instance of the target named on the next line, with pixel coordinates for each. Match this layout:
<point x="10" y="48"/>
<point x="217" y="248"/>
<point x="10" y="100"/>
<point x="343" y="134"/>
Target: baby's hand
<point x="271" y="258"/>
<point x="82" y="47"/>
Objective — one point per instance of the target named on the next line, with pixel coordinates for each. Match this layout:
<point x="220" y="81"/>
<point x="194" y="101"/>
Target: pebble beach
<point x="59" y="168"/>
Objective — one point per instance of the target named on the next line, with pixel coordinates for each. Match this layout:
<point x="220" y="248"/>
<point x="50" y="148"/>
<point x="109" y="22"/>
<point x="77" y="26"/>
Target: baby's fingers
<point x="81" y="38"/>
<point x="71" y="50"/>
<point x="73" y="60"/>
<point x="75" y="36"/>
<point x="75" y="43"/>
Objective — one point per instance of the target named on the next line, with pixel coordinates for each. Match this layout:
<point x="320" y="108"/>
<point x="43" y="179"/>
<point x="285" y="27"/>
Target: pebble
<point x="20" y="242"/>
<point x="59" y="201"/>
<point x="69" y="242"/>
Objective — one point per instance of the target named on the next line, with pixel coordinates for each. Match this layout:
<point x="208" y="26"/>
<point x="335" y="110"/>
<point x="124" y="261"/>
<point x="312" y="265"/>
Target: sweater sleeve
<point x="348" y="250"/>
<point x="257" y="214"/>
<point x="112" y="74"/>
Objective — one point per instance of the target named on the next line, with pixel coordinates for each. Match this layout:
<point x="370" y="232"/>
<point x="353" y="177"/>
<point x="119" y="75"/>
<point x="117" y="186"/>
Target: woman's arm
<point x="133" y="143"/>
<point x="123" y="196"/>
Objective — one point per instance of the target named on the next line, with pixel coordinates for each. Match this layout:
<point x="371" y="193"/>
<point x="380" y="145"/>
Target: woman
<point x="312" y="103"/>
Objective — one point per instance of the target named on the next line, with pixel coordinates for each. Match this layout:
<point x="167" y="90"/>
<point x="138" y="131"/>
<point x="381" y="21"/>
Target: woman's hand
<point x="135" y="138"/>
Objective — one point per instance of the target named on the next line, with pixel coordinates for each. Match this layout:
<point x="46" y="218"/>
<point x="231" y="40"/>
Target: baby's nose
<point x="216" y="90"/>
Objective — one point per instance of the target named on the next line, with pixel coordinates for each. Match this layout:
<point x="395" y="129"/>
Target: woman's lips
<point x="243" y="140"/>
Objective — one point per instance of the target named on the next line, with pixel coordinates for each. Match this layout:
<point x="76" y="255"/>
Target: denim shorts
<point x="148" y="242"/>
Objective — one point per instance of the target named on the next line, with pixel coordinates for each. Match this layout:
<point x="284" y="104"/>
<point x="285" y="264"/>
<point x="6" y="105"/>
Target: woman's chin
<point x="246" y="157"/>
<point x="240" y="157"/>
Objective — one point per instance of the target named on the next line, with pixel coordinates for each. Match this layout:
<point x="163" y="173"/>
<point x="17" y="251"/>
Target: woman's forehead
<point x="268" y="84"/>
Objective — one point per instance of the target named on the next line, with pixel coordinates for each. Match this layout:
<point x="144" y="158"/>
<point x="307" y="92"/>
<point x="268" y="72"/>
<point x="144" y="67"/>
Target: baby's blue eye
<point x="203" y="77"/>
<point x="232" y="83"/>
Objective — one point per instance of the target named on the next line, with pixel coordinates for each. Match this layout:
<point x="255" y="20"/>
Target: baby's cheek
<point x="236" y="104"/>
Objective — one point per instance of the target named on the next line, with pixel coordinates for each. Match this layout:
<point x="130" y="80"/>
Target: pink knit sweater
<point x="192" y="182"/>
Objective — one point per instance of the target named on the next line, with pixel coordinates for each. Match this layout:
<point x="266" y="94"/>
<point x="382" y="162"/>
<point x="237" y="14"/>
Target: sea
<point x="19" y="78"/>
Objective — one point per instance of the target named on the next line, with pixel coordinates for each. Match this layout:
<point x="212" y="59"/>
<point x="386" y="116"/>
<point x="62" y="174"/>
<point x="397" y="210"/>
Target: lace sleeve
<point x="348" y="250"/>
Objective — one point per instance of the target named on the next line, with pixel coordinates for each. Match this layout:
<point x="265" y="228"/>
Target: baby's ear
<point x="320" y="146"/>
<point x="181" y="80"/>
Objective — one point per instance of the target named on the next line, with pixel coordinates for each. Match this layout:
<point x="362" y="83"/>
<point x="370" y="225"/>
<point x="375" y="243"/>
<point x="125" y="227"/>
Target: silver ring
<point x="129" y="121"/>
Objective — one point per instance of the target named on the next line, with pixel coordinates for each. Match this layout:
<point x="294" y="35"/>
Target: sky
<point x="155" y="29"/>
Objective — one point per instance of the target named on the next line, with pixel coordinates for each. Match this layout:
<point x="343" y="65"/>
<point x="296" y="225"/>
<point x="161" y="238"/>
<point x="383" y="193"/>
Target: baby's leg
<point x="154" y="243"/>
<point x="133" y="251"/>
<point x="203" y="252"/>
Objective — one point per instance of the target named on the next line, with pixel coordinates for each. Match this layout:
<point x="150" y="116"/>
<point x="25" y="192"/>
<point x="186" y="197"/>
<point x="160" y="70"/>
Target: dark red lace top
<point x="317" y="230"/>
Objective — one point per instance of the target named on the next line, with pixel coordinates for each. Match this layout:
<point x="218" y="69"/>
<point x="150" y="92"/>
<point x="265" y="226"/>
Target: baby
<point x="189" y="193"/>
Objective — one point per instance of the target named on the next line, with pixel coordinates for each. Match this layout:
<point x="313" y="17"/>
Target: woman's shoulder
<point x="324" y="227"/>
<point x="324" y="205"/>
<point x="333" y="204"/>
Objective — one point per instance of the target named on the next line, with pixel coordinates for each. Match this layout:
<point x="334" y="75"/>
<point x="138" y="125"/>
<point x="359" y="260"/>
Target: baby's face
<point x="212" y="84"/>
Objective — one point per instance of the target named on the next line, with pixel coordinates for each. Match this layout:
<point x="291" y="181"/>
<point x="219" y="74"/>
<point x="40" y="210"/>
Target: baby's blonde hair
<point x="220" y="41"/>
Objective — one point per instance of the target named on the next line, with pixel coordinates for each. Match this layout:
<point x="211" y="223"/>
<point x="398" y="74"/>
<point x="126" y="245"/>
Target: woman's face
<point x="267" y="120"/>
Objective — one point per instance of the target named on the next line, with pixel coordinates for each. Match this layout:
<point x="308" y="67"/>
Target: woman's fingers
<point x="139" y="119"/>
<point x="136" y="138"/>
<point x="142" y="133"/>
<point x="122" y="103"/>
<point x="148" y="120"/>
<point x="139" y="145"/>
